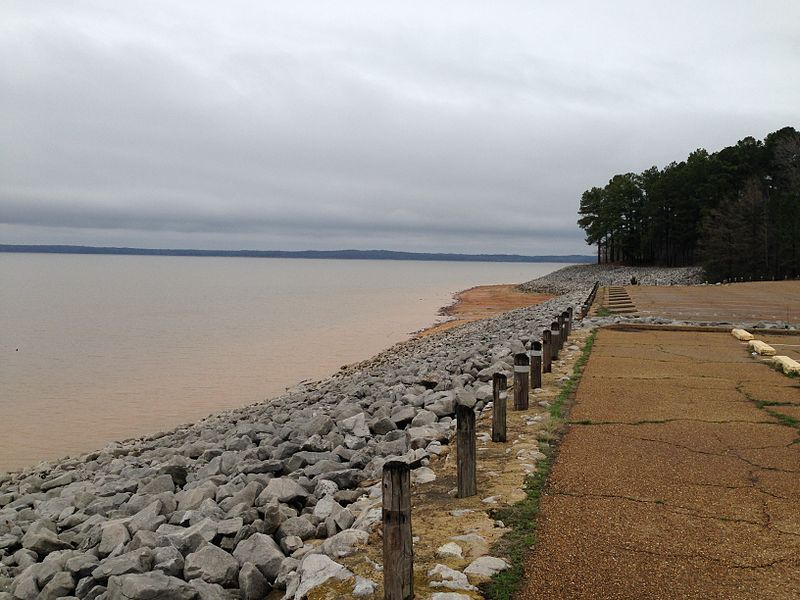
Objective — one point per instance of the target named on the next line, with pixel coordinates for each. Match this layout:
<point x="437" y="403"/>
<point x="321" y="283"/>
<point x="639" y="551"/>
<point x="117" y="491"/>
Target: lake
<point x="98" y="348"/>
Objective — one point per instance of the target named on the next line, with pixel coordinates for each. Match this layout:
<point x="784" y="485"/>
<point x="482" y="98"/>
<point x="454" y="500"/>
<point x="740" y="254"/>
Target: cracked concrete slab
<point x="676" y="479"/>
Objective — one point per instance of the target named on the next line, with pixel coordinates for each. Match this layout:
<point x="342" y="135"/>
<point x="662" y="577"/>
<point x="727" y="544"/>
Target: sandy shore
<point x="482" y="302"/>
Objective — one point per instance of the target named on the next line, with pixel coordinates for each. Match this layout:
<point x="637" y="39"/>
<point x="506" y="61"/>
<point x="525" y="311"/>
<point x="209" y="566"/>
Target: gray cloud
<point x="416" y="126"/>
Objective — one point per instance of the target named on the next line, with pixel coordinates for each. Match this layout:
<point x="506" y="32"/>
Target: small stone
<point x="443" y="576"/>
<point x="344" y="543"/>
<point x="60" y="481"/>
<point x="364" y="588"/>
<point x="486" y="566"/>
<point x="449" y="550"/>
<point x="423" y="475"/>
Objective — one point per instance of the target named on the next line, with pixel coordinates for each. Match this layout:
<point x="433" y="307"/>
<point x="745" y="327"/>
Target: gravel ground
<point x="673" y="481"/>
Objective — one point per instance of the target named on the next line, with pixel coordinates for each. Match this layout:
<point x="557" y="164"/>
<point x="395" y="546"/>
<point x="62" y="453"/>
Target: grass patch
<point x="521" y="517"/>
<point x="603" y="312"/>
<point x="785" y="419"/>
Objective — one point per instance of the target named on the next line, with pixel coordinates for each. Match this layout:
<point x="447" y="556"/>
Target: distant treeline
<point x="329" y="254"/>
<point x="736" y="211"/>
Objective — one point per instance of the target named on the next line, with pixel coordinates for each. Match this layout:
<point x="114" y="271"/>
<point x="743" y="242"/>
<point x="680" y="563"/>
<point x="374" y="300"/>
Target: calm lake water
<point x="98" y="348"/>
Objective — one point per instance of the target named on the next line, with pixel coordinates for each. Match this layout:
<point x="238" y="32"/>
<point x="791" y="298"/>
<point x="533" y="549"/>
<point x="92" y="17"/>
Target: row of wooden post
<point x="398" y="549"/>
<point x="588" y="303"/>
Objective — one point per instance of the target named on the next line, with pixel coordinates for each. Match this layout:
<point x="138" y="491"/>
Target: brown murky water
<point x="97" y="348"/>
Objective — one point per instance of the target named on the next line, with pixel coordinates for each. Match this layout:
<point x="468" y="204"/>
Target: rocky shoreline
<point x="239" y="503"/>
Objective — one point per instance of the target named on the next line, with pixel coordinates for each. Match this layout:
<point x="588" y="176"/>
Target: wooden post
<point x="564" y="328"/>
<point x="466" y="451"/>
<point x="547" y="351"/>
<point x="521" y="370"/>
<point x="500" y="401"/>
<point x="398" y="548"/>
<point x="570" y="316"/>
<point x="536" y="365"/>
<point x="555" y="339"/>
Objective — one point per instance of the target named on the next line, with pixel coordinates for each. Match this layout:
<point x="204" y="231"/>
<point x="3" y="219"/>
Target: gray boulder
<point x="168" y="560"/>
<point x="262" y="551"/>
<point x="382" y="426"/>
<point x="149" y="518"/>
<point x="62" y="584"/>
<point x="42" y="538"/>
<point x="284" y="490"/>
<point x="212" y="591"/>
<point x="113" y="537"/>
<point x="403" y="415"/>
<point x="149" y="586"/>
<point x="299" y="526"/>
<point x="252" y="584"/>
<point x="321" y="425"/>
<point x="212" y="565"/>
<point x="355" y="425"/>
<point x="191" y="499"/>
<point x="315" y="570"/>
<point x="138" y="561"/>
<point x="344" y="543"/>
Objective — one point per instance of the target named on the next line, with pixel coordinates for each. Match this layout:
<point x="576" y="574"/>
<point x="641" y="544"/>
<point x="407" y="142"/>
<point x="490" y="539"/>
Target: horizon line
<point x="344" y="254"/>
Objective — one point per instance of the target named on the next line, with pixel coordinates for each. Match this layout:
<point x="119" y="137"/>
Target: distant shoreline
<point x="308" y="254"/>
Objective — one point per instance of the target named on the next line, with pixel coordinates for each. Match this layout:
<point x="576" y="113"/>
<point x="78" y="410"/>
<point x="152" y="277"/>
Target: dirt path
<point x="675" y="480"/>
<point x="482" y="302"/>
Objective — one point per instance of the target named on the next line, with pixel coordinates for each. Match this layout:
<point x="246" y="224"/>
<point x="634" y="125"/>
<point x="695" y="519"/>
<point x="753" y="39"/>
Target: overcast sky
<point x="427" y="126"/>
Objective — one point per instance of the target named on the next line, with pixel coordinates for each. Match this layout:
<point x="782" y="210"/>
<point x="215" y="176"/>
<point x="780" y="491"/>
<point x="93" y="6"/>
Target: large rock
<point x="138" y="561"/>
<point x="212" y="591"/>
<point x="445" y="407"/>
<point x="168" y="560"/>
<point x="382" y="426"/>
<point x="252" y="584"/>
<point x="212" y="565"/>
<point x="284" y="490"/>
<point x="262" y="551"/>
<point x="315" y="570"/>
<point x="59" y="586"/>
<point x="403" y="415"/>
<point x="149" y="518"/>
<point x="82" y="564"/>
<point x="149" y="586"/>
<point x="346" y="478"/>
<point x="320" y="425"/>
<point x="355" y="425"/>
<point x="42" y="538"/>
<point x="189" y="539"/>
<point x="59" y="481"/>
<point x="486" y="566"/>
<point x="161" y="483"/>
<point x="344" y="543"/>
<point x="191" y="499"/>
<point x="299" y="526"/>
<point x="114" y="536"/>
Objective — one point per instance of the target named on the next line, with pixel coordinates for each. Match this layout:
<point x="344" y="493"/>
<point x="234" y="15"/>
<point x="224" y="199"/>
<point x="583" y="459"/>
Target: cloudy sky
<point x="430" y="126"/>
